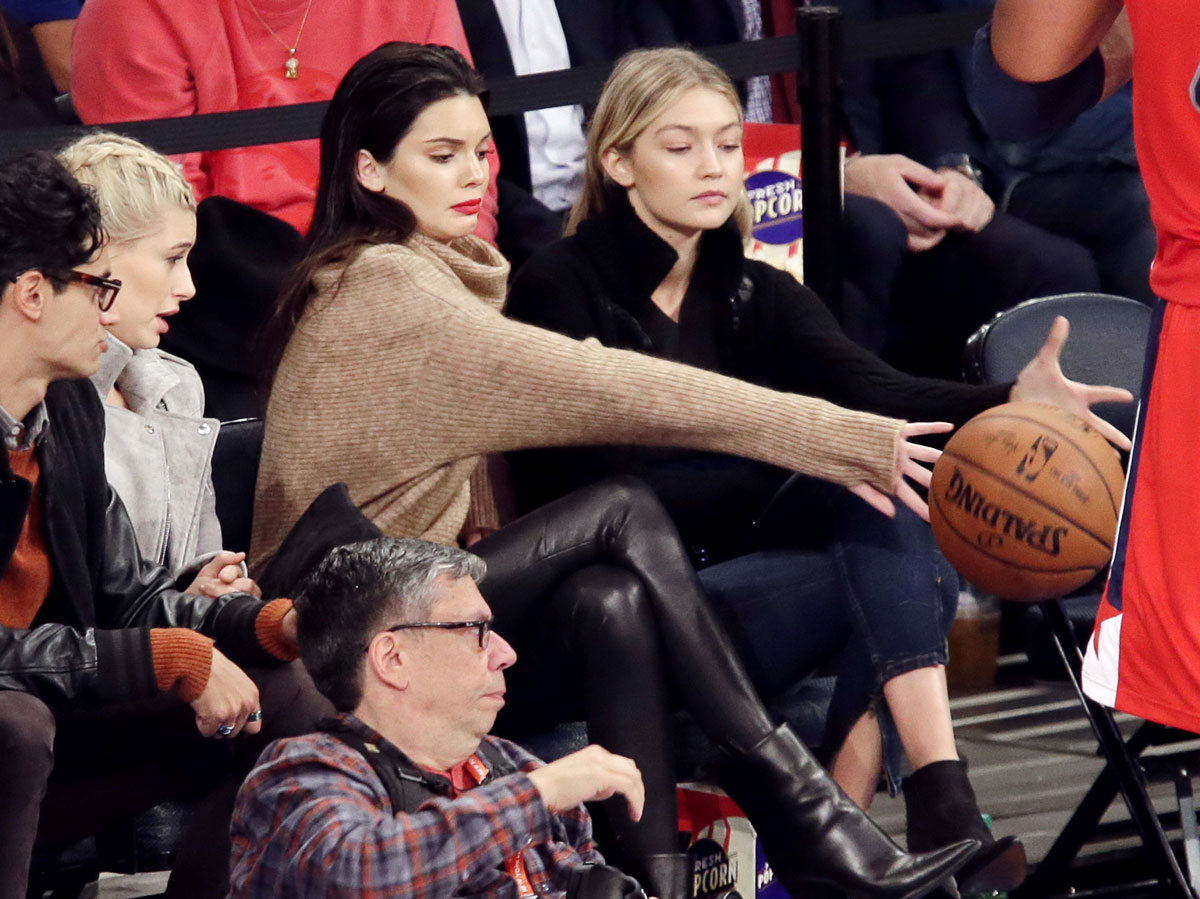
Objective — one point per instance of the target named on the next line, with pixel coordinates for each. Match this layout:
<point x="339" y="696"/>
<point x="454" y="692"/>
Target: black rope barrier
<point x="863" y="39"/>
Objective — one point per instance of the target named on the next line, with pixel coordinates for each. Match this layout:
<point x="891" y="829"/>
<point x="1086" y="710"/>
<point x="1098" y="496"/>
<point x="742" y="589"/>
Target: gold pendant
<point x="291" y="68"/>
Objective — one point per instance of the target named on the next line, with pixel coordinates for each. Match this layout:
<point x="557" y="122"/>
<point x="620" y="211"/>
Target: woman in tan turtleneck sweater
<point x="400" y="375"/>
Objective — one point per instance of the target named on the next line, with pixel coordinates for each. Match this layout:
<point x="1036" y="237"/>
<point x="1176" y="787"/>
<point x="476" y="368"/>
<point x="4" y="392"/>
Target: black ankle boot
<point x="941" y="809"/>
<point x="666" y="876"/>
<point x="814" y="834"/>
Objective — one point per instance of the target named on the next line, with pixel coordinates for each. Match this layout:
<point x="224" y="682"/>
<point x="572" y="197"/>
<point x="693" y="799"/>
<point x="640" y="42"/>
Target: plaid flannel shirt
<point x="313" y="819"/>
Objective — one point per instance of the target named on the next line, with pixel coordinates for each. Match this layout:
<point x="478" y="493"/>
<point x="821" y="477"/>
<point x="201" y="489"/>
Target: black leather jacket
<point x="90" y="643"/>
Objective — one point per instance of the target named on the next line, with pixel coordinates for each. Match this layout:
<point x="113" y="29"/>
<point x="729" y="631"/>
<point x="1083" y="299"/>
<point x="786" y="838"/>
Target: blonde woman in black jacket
<point x="653" y="262"/>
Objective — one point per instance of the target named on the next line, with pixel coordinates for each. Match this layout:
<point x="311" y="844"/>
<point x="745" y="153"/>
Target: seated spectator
<point x="52" y="24"/>
<point x="149" y="59"/>
<point x="111" y="680"/>
<point x="399" y="375"/>
<point x="652" y="264"/>
<point x="404" y="792"/>
<point x="1081" y="180"/>
<point x="921" y="155"/>
<point x="921" y="241"/>
<point x="158" y="448"/>
<point x="26" y="94"/>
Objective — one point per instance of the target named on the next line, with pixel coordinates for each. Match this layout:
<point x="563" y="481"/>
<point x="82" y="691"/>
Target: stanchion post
<point x="820" y="84"/>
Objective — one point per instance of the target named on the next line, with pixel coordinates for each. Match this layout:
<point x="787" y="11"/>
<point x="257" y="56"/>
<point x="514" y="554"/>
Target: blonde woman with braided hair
<point x="158" y="446"/>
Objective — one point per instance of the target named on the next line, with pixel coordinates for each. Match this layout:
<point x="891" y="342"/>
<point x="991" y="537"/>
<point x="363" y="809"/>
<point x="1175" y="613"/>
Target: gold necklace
<point x="291" y="68"/>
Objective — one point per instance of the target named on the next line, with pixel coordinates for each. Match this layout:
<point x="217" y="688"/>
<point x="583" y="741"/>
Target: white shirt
<point x="557" y="148"/>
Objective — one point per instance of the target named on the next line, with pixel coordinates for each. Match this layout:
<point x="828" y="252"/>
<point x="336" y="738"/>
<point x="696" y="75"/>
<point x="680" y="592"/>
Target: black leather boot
<point x="666" y="876"/>
<point x="941" y="809"/>
<point x="813" y="833"/>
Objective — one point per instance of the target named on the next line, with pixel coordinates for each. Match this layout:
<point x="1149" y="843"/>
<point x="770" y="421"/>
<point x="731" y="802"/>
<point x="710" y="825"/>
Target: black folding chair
<point x="234" y="473"/>
<point x="1107" y="346"/>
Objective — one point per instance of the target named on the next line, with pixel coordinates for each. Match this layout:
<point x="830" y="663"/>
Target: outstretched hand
<point x="1042" y="381"/>
<point x="909" y="457"/>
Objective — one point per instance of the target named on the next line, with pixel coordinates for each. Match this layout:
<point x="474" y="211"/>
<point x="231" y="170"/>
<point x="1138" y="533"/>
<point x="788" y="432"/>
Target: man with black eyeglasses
<point x="404" y="793"/>
<point x="110" y="678"/>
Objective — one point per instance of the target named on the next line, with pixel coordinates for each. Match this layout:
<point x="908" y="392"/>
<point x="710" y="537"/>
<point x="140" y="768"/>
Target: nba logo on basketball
<point x="1024" y="501"/>
<point x="1037" y="457"/>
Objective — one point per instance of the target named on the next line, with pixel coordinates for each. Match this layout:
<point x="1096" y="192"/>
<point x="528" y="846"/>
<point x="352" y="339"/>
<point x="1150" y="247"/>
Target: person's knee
<point x="627" y="490"/>
<point x="636" y="501"/>
<point x="26" y="737"/>
<point x="1037" y="262"/>
<point x="606" y="600"/>
<point x="872" y="232"/>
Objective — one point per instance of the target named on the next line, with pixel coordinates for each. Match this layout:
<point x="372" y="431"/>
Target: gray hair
<point x="358" y="589"/>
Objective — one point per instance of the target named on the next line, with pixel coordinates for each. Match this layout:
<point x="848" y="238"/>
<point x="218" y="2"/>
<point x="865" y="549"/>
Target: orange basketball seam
<point x="987" y="415"/>
<point x="1107" y="544"/>
<point x="1023" y="566"/>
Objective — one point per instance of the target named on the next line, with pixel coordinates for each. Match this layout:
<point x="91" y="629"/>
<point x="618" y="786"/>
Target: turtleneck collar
<point x="633" y="261"/>
<point x="480" y="266"/>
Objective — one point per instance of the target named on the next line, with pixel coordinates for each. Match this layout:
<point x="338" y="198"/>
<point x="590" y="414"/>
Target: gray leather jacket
<point x="158" y="453"/>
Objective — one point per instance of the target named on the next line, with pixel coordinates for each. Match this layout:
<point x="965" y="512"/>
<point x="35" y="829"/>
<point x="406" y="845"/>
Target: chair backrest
<point x="1107" y="345"/>
<point x="234" y="473"/>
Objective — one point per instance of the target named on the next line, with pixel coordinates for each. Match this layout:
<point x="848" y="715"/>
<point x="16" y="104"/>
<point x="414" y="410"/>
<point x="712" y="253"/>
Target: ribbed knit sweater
<point x="403" y="373"/>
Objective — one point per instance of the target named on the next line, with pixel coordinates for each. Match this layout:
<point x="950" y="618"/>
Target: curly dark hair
<point x="48" y="220"/>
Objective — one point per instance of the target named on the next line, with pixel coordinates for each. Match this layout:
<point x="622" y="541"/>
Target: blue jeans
<point x="842" y="588"/>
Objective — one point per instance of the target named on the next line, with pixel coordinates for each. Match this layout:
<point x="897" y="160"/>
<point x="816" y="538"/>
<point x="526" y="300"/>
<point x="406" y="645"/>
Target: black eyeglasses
<point x="104" y="290"/>
<point x="483" y="627"/>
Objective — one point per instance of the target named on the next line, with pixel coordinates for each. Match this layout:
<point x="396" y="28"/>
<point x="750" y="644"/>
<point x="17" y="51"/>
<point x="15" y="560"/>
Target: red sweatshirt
<point x="149" y="59"/>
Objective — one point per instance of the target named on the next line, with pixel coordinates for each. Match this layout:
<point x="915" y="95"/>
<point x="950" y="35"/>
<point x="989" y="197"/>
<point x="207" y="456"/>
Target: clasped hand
<point x="223" y="574"/>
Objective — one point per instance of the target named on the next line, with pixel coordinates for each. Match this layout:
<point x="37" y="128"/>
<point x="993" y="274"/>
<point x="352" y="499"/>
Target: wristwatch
<point x="960" y="162"/>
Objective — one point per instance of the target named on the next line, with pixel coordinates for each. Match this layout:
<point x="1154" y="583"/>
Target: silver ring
<point x="225" y="730"/>
<point x="256" y="715"/>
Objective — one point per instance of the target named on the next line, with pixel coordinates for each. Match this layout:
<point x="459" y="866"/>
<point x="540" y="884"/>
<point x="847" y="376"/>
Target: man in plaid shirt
<point x="396" y="634"/>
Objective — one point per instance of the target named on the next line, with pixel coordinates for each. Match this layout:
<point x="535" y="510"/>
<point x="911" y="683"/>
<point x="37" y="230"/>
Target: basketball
<point x="1024" y="501"/>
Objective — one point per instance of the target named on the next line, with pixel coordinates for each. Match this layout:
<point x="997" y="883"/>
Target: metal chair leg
<point x="1121" y="770"/>
<point x="1187" y="822"/>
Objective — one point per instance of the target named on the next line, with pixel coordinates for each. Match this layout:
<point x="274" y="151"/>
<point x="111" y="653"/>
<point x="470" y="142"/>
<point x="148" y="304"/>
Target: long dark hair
<point x="374" y="106"/>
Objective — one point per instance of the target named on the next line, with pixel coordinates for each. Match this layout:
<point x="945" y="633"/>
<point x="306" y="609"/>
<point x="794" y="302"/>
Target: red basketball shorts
<point x="1144" y="655"/>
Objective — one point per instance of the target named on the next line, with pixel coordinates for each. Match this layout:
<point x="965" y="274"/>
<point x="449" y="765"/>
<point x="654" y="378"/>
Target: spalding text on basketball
<point x="1005" y="523"/>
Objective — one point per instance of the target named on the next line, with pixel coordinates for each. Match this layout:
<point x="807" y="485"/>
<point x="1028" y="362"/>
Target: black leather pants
<point x="598" y="597"/>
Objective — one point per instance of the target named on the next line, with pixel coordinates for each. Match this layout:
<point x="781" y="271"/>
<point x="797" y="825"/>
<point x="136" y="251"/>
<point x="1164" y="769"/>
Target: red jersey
<point x="1166" y="104"/>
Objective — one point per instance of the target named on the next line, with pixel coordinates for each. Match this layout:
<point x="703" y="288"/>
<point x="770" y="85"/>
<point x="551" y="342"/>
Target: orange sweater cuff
<point x="268" y="628"/>
<point x="182" y="658"/>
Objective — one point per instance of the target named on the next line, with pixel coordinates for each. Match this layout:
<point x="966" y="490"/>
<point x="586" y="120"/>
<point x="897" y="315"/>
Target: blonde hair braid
<point x="134" y="184"/>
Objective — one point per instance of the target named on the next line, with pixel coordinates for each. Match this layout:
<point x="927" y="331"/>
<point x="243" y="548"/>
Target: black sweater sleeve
<point x="548" y="292"/>
<point x="805" y="351"/>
